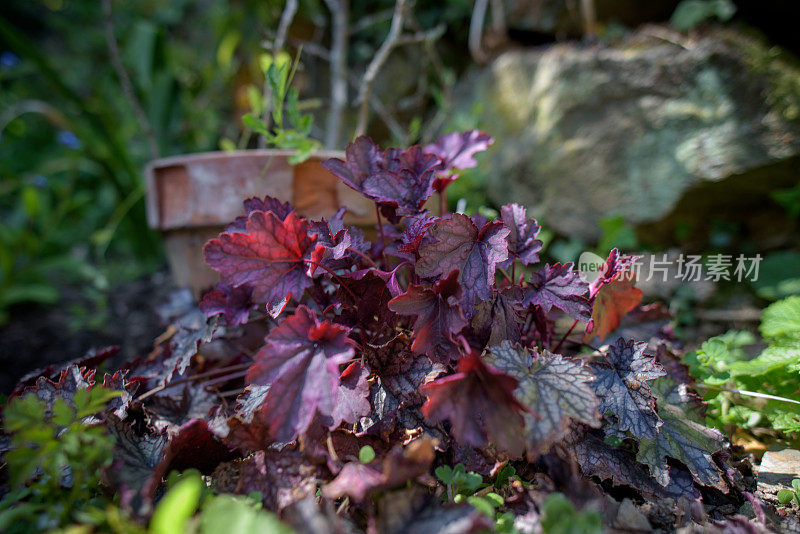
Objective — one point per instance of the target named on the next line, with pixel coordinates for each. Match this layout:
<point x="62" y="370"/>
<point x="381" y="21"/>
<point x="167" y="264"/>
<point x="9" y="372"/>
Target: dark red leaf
<point x="278" y="208"/>
<point x="559" y="286"/>
<point x="612" y="303"/>
<point x="271" y="257"/>
<point x="415" y="230"/>
<point x="480" y="404"/>
<point x="300" y="362"/>
<point x="458" y="245"/>
<point x="439" y="317"/>
<point x="234" y="303"/>
<point x="614" y="266"/>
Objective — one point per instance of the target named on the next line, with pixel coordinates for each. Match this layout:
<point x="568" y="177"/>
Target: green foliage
<point x="785" y="496"/>
<point x="691" y="13"/>
<point x="459" y="481"/>
<point x="55" y="459"/>
<point x="616" y="234"/>
<point x="560" y="517"/>
<point x="218" y="513"/>
<point x="178" y="505"/>
<point x="463" y="485"/>
<point x="746" y="391"/>
<point x="778" y="275"/>
<point x="366" y="454"/>
<point x="280" y="72"/>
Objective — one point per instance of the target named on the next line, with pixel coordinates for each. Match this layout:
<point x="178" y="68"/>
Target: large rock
<point x="585" y="133"/>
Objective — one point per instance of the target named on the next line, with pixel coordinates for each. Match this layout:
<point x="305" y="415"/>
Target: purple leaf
<point x="362" y="160"/>
<point x="458" y="245"/>
<point x="457" y="149"/>
<point x="271" y="257"/>
<point x="439" y="317"/>
<point x="351" y="399"/>
<point x="522" y="242"/>
<point x="559" y="286"/>
<point x="278" y="208"/>
<point x="623" y="388"/>
<point x="402" y="464"/>
<point x="300" y="362"/>
<point x="405" y="181"/>
<point x="415" y="230"/>
<point x="234" y="303"/>
<point x="498" y="319"/>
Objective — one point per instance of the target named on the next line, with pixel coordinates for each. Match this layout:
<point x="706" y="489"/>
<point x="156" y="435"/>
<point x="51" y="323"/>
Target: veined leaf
<point x="555" y="389"/>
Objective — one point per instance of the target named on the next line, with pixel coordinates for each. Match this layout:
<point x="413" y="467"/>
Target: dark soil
<point x="36" y="336"/>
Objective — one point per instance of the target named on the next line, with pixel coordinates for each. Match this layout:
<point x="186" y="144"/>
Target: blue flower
<point x="68" y="139"/>
<point x="8" y="60"/>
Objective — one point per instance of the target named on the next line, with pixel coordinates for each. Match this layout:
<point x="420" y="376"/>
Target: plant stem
<point x="335" y="276"/>
<point x="571" y="328"/>
<point x="380" y="229"/>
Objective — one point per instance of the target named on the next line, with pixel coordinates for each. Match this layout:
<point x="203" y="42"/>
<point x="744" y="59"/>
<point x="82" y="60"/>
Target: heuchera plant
<point x="329" y="365"/>
<point x="446" y="323"/>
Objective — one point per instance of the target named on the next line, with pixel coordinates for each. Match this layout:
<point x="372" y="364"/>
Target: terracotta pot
<point x="191" y="198"/>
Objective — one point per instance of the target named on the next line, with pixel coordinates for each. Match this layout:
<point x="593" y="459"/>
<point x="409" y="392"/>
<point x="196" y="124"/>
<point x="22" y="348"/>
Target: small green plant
<point x="463" y="485"/>
<point x="366" y="454"/>
<point x="746" y="391"/>
<point x="55" y="460"/>
<point x="560" y="517"/>
<point x="280" y="71"/>
<point x="233" y="514"/>
<point x="785" y="496"/>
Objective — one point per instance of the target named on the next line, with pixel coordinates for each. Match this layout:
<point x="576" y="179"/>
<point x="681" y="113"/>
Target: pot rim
<point x="223" y="154"/>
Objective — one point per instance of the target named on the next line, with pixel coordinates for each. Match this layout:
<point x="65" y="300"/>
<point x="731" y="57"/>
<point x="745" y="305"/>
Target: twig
<point x="338" y="67"/>
<point x="125" y="80"/>
<point x="375" y="65"/>
<point x="375" y="103"/>
<point x="207" y="374"/>
<point x="370" y="20"/>
<point x="476" y="31"/>
<point x="589" y="17"/>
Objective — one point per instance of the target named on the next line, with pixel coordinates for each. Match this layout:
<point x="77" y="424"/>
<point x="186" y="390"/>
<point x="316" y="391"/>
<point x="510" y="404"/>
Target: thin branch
<point x="476" y="31"/>
<point x="375" y="65"/>
<point x="589" y="18"/>
<point x="371" y="20"/>
<point x="287" y="17"/>
<point x="338" y="67"/>
<point x="125" y="80"/>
